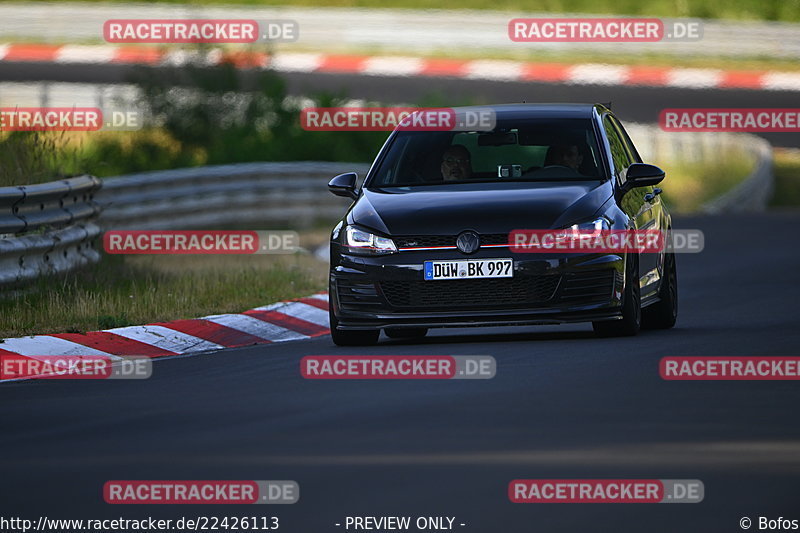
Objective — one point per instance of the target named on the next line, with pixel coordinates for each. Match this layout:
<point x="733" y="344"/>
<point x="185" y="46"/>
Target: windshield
<point x="534" y="149"/>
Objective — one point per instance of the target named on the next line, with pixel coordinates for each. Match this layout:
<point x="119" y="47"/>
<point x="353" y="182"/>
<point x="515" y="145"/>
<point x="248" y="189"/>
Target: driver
<point x="456" y="163"/>
<point x="565" y="155"/>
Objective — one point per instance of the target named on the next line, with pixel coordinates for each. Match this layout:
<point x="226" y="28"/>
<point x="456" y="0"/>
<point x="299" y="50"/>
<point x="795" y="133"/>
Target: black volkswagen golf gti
<point x="434" y="198"/>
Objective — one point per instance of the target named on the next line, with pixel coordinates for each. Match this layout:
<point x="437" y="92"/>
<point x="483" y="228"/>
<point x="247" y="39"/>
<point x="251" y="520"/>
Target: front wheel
<point x="352" y="337"/>
<point x="664" y="313"/>
<point x="631" y="320"/>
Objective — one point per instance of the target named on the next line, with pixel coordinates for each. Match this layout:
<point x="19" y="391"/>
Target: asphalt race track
<point x="630" y="103"/>
<point x="562" y="405"/>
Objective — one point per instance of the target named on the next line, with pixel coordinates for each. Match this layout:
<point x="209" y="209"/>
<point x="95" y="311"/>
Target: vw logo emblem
<point x="468" y="242"/>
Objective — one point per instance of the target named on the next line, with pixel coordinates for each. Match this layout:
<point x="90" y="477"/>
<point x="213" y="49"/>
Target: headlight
<point x="596" y="225"/>
<point x="359" y="241"/>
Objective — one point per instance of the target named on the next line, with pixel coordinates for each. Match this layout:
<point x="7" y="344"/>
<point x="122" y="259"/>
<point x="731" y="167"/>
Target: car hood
<point x="482" y="207"/>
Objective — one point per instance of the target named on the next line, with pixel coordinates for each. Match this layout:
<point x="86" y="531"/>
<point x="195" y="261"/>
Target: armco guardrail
<point x="47" y="228"/>
<point x="279" y="193"/>
<point x="752" y="194"/>
<point x="28" y="208"/>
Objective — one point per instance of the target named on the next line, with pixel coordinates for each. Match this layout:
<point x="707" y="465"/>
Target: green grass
<point x="689" y="185"/>
<point x="787" y="10"/>
<point x="130" y="290"/>
<point x="787" y="178"/>
<point x="36" y="157"/>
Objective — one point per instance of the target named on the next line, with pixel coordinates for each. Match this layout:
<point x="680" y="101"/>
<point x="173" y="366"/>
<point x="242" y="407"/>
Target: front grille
<point x="591" y="286"/>
<point x="356" y="295"/>
<point x="424" y="241"/>
<point x="494" y="238"/>
<point x="427" y="241"/>
<point x="522" y="291"/>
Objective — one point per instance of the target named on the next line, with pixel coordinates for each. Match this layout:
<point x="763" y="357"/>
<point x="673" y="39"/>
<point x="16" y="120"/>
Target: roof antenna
<point x="607" y="104"/>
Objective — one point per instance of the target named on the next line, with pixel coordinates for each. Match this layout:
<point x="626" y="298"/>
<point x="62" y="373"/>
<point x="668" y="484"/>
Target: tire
<point x="354" y="337"/>
<point x="664" y="313"/>
<point x="631" y="321"/>
<point x="405" y="333"/>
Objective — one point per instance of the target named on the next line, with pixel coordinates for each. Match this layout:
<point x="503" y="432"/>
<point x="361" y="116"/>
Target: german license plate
<point x="469" y="269"/>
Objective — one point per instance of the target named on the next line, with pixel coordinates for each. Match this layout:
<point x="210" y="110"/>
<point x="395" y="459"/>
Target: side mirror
<point x="642" y="175"/>
<point x="344" y="185"/>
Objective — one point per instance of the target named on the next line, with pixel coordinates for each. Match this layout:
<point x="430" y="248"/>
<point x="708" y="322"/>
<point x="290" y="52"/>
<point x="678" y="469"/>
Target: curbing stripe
<point x="85" y="54"/>
<point x="247" y="59"/>
<point x="113" y="343"/>
<point x="781" y="81"/>
<point x="318" y="303"/>
<point x="259" y="328"/>
<point x="494" y="69"/>
<point x="307" y="312"/>
<point x="482" y="69"/>
<point x="48" y="345"/>
<point x="546" y="72"/>
<point x="695" y="78"/>
<point x="393" y="66"/>
<point x="296" y="62"/>
<point x="166" y="339"/>
<point x="341" y="63"/>
<point x="137" y="55"/>
<point x="31" y="52"/>
<point x="598" y="74"/>
<point x="742" y="79"/>
<point x="283" y="321"/>
<point x="305" y="327"/>
<point x="655" y="76"/>
<point x="444" y="67"/>
<point x="213" y="332"/>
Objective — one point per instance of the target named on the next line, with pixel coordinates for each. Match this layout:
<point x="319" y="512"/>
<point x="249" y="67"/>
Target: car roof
<point x="534" y="110"/>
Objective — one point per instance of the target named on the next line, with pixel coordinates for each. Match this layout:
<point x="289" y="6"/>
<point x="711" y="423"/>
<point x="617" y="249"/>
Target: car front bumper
<point x="389" y="291"/>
